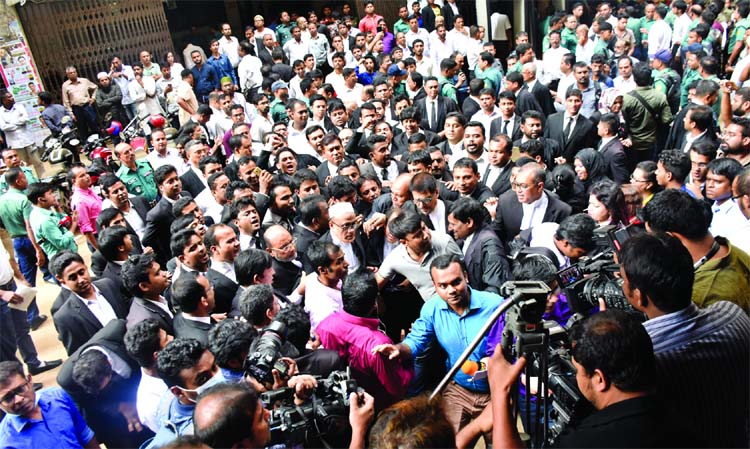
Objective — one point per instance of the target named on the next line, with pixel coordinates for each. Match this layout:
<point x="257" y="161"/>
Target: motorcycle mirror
<point x="65" y="120"/>
<point x="92" y="138"/>
<point x="74" y="142"/>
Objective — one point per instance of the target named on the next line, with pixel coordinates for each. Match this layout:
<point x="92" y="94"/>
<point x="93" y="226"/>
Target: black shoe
<point x="36" y="322"/>
<point x="45" y="366"/>
<point x="38" y="386"/>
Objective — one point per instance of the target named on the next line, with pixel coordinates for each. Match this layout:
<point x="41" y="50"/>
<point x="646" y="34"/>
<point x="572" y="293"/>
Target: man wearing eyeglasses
<point x="527" y="205"/>
<point x="49" y="420"/>
<point x="344" y="232"/>
<point x="287" y="268"/>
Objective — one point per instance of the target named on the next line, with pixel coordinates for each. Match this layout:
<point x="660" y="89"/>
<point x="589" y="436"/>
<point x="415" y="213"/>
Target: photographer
<point x="572" y="239"/>
<point x="232" y="415"/>
<point x="701" y="354"/>
<point x="229" y="342"/>
<point x="615" y="365"/>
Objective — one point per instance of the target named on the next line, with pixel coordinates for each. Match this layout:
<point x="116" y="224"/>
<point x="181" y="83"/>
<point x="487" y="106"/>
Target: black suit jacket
<point x="369" y="169"/>
<point x="140" y="310"/>
<point x="264" y="55"/>
<point x="502" y="182"/>
<point x="101" y="411"/>
<point x="358" y="245"/>
<point x="552" y="149"/>
<point x="323" y="172"/>
<point x="582" y="136"/>
<point x="470" y="107"/>
<point x="141" y="206"/>
<point x="509" y="214"/>
<point x="485" y="261"/>
<point x="428" y="18"/>
<point x="304" y="238"/>
<point x="447" y="12"/>
<point x="112" y="271"/>
<point x="400" y="144"/>
<point x="224" y="290"/>
<point x="184" y="328"/>
<point x="76" y="324"/>
<point x="191" y="183"/>
<point x="543" y="97"/>
<point x="616" y="160"/>
<point x="157" y="234"/>
<point x="444" y="107"/>
<point x="707" y="137"/>
<point x="526" y="101"/>
<point x="496" y="127"/>
<point x="286" y="276"/>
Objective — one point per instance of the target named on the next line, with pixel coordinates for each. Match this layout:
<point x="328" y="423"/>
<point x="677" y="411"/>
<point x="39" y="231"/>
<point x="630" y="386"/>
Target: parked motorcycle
<point x="62" y="152"/>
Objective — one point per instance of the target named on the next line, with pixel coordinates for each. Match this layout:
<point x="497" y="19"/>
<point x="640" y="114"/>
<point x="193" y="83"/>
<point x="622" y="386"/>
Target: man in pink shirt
<point x="370" y="21"/>
<point x="86" y="202"/>
<point x="353" y="332"/>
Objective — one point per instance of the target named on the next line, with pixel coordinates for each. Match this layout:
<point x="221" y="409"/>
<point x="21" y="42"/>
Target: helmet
<point x="114" y="128"/>
<point x="157" y="121"/>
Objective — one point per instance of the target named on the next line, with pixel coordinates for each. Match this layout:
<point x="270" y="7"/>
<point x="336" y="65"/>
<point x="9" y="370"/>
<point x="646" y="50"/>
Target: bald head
<point x="275" y="234"/>
<point x="225" y="416"/>
<point x="400" y="192"/>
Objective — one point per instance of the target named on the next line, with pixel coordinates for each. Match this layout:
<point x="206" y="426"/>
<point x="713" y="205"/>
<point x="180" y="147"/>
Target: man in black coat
<point x="144" y="278"/>
<point x="193" y="180"/>
<point x="572" y="130"/>
<point x="89" y="307"/>
<point x="434" y="108"/>
<point x="540" y="91"/>
<point x="160" y="218"/>
<point x="103" y="381"/>
<point x="223" y="243"/>
<point x="527" y="205"/>
<point x="313" y="212"/>
<point x="194" y="296"/>
<point x="484" y="257"/>
<point x="612" y="150"/>
<point x="287" y="267"/>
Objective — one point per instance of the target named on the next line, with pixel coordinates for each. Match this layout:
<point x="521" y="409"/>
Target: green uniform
<point x="601" y="47"/>
<point x="139" y="181"/>
<point x="738" y="33"/>
<point x="647" y="24"/>
<point x="283" y="33"/>
<point x="52" y="237"/>
<point x="634" y="25"/>
<point x="447" y="88"/>
<point x="15" y="209"/>
<point x="660" y="79"/>
<point x="28" y="171"/>
<point x="278" y="110"/>
<point x="400" y="26"/>
<point x="689" y="76"/>
<point x="568" y="39"/>
<point x="492" y="77"/>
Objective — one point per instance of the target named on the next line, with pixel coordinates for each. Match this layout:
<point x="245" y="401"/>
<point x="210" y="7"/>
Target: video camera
<point x="325" y="417"/>
<point x="594" y="277"/>
<point x="265" y="354"/>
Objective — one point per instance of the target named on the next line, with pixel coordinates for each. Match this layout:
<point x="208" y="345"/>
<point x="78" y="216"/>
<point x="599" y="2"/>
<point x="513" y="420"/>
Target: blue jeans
<point x="27" y="263"/>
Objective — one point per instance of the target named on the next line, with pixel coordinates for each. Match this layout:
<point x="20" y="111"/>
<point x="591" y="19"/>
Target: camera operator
<point x="229" y="341"/>
<point x="701" y="354"/>
<point x="232" y="415"/>
<point x="615" y="365"/>
<point x="722" y="271"/>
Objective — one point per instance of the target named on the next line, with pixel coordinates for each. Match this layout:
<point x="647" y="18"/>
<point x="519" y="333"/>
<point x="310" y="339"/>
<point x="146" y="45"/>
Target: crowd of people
<point x="368" y="187"/>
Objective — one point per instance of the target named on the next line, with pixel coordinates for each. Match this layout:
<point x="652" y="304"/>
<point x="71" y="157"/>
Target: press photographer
<point x="615" y="365"/>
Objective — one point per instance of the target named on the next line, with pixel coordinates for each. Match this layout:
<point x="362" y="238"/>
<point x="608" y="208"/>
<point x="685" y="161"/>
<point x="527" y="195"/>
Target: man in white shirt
<point x="440" y="46"/>
<point x="585" y="47"/>
<point x="740" y="237"/>
<point x="352" y="91"/>
<point x="296" y="48"/>
<point x="624" y="82"/>
<point x="459" y="35"/>
<point x="18" y="135"/>
<point x="143" y="341"/>
<point x="229" y="45"/>
<point x="424" y="190"/>
<point x="323" y="288"/>
<point x="476" y="42"/>
<point x="488" y="111"/>
<point x="415" y="33"/>
<point x="162" y="154"/>
<point x="660" y="35"/>
<point x="681" y="23"/>
<point x="343" y="232"/>
<point x="552" y="59"/>
<point x="143" y="92"/>
<point x="425" y="66"/>
<point x="122" y="75"/>
<point x="727" y="213"/>
<point x="567" y="79"/>
<point x="248" y="68"/>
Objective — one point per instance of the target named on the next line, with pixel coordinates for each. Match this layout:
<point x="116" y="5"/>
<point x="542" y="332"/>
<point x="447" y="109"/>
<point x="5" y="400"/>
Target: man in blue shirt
<point x="51" y="420"/>
<point x="205" y="77"/>
<point x="453" y="317"/>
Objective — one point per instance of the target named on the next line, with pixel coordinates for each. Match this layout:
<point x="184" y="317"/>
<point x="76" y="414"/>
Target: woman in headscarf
<point x="590" y="167"/>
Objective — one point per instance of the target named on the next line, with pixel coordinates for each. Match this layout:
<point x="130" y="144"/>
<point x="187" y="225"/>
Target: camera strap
<point x="711" y="253"/>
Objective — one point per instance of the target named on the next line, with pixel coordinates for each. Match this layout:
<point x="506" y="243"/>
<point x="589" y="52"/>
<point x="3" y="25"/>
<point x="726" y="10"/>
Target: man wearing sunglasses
<point x="51" y="420"/>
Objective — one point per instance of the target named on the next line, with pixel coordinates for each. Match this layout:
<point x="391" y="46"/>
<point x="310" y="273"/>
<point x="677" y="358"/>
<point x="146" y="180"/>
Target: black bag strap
<point x="648" y="107"/>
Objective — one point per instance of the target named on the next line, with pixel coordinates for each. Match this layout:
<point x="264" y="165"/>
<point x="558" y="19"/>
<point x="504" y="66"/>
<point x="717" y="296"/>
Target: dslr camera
<point x="265" y="354"/>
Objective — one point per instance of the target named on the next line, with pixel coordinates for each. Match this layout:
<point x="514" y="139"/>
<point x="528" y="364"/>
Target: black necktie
<point x="566" y="132"/>
<point x="486" y="174"/>
<point x="384" y="174"/>
<point x="433" y="115"/>
<point x="505" y="126"/>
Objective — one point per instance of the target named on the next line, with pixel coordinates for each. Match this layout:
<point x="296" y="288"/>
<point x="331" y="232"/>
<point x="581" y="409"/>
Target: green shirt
<point x="447" y="90"/>
<point x="634" y="25"/>
<point x="642" y="125"/>
<point x="153" y="70"/>
<point x="400" y="26"/>
<point x="568" y="39"/>
<point x="725" y="279"/>
<point x="492" y="77"/>
<point x="689" y="76"/>
<point x="660" y="79"/>
<point x="52" y="237"/>
<point x="278" y="111"/>
<point x="14" y="210"/>
<point x="647" y="24"/>
<point x="28" y="171"/>
<point x="139" y="181"/>
<point x="739" y="33"/>
<point x="283" y="33"/>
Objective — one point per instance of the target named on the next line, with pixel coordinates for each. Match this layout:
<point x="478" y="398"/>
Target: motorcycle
<point x="64" y="151"/>
<point x="100" y="155"/>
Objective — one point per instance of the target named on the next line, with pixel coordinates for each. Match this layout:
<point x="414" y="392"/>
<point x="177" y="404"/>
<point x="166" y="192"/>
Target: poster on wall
<point x="21" y="78"/>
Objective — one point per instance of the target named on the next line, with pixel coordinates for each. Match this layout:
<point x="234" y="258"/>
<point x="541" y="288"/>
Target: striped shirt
<point x="703" y="369"/>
